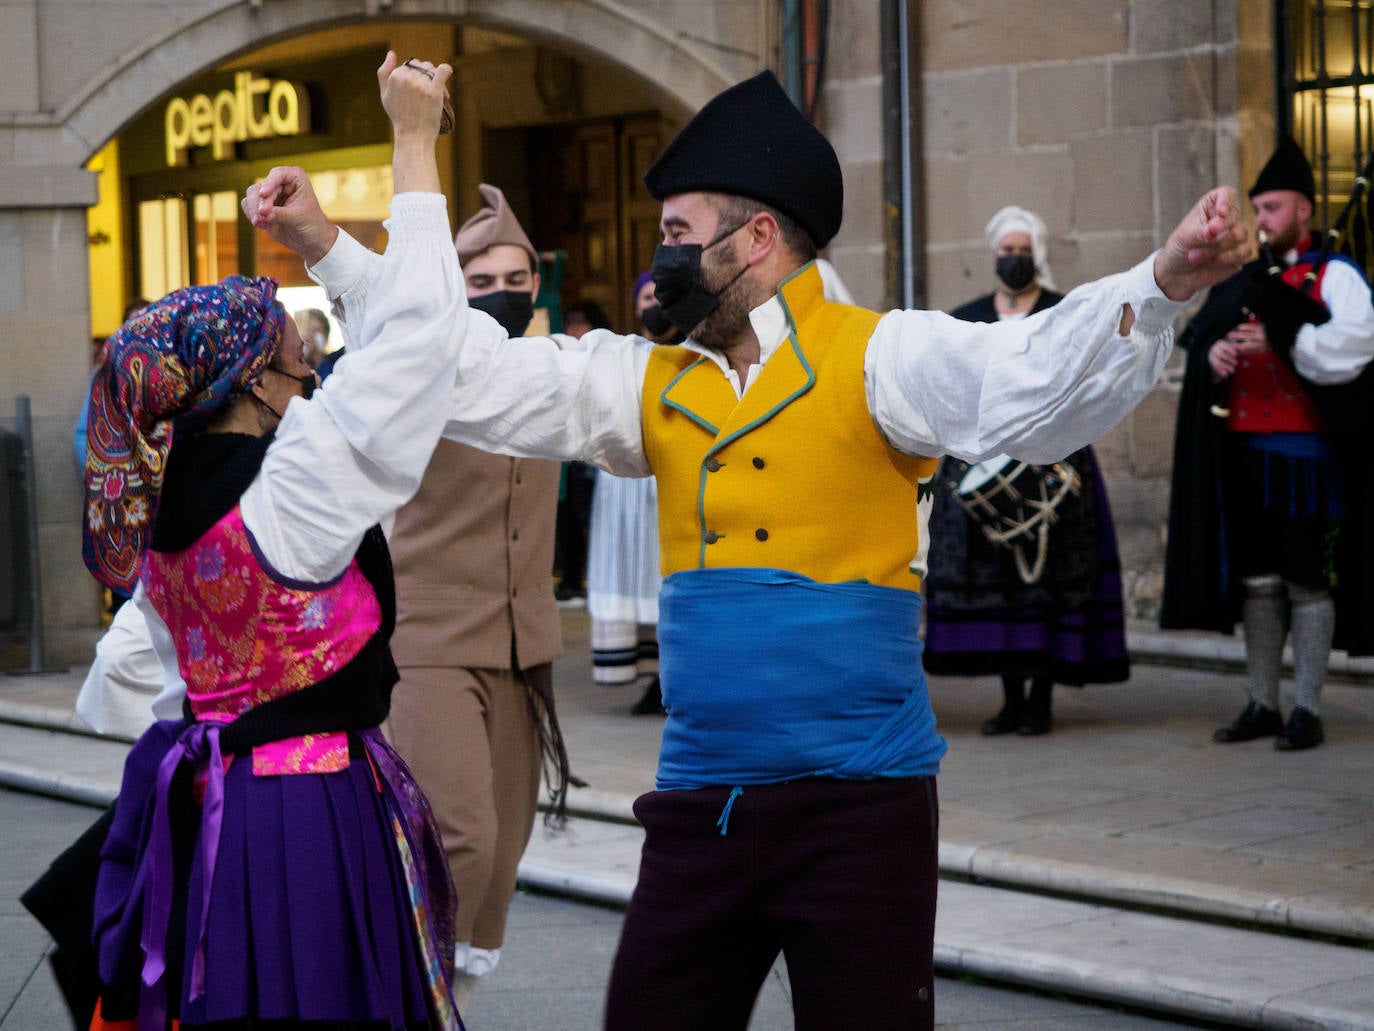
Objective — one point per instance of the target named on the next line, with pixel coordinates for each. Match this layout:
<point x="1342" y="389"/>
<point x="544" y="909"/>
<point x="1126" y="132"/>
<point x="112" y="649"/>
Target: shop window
<point x="216" y="236"/>
<point x="164" y="263"/>
<point x="356" y="199"/>
<point x="1326" y="65"/>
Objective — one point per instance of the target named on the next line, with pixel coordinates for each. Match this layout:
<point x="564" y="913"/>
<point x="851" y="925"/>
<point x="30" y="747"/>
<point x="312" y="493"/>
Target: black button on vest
<point x="761" y="534"/>
<point x="712" y="465"/>
<point x="711" y="537"/>
<point x="758" y="463"/>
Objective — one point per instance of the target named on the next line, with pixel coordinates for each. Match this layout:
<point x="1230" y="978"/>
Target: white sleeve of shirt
<point x="133" y="679"/>
<point x="344" y="274"/>
<point x="532" y="397"/>
<point x="356" y="451"/>
<point x="552" y="397"/>
<point x="1337" y="351"/>
<point x="1037" y="388"/>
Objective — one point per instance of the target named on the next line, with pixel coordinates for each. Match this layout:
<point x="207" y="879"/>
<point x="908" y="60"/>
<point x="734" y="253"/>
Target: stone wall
<point x="851" y="116"/>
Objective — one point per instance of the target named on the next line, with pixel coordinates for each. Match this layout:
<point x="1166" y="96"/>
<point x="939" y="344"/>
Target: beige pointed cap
<point x="494" y="224"/>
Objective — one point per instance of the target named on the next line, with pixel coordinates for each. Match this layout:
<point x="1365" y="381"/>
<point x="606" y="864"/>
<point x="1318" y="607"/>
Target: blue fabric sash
<point x="1294" y="445"/>
<point x="769" y="676"/>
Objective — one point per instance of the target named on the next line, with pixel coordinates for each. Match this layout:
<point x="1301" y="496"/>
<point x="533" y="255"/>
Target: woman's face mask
<point x="1015" y="270"/>
<point x="655" y="321"/>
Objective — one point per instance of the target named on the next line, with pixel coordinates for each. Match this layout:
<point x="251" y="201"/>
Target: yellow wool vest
<point x="795" y="475"/>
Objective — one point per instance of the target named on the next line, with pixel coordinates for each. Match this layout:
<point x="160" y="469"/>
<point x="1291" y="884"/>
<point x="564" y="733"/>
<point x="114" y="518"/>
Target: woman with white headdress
<point x="988" y="613"/>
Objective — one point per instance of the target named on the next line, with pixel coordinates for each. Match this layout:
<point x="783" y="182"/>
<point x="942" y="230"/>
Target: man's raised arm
<point x="284" y="204"/>
<point x="1042" y="387"/>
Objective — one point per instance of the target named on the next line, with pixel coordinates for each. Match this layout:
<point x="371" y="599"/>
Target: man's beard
<point x="720" y="330"/>
<point x="1282" y="243"/>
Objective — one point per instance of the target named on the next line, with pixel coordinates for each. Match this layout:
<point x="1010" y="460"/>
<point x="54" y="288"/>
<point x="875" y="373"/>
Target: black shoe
<point x="652" y="702"/>
<point x="1035" y="724"/>
<point x="1008" y="721"/>
<point x="1256" y="721"/>
<point x="1304" y="730"/>
<point x="570" y="597"/>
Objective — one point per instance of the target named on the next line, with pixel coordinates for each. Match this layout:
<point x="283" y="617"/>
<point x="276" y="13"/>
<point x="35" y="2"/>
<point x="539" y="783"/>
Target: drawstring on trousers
<point x="724" y="821"/>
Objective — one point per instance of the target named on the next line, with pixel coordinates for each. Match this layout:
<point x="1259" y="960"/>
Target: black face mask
<point x="684" y="298"/>
<point x="1016" y="270"/>
<point x="512" y="308"/>
<point x="655" y="321"/>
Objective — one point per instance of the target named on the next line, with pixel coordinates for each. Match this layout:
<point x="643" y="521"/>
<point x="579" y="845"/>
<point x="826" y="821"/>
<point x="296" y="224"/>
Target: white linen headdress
<point x="1012" y="219"/>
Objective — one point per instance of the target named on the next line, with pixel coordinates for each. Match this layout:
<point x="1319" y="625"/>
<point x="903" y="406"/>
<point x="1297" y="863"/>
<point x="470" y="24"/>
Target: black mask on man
<point x="512" y="308"/>
<point x="655" y="321"/>
<point x="1015" y="270"/>
<point x="676" y="271"/>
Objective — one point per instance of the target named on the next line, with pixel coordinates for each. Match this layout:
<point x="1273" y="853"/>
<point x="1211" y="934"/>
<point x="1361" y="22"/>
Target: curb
<point x="1218" y="652"/>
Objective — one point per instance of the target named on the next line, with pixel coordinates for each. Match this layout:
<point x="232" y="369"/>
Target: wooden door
<point x="589" y="201"/>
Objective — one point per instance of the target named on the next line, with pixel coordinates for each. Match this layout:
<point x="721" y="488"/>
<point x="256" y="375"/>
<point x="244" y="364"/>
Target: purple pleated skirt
<point x="310" y="915"/>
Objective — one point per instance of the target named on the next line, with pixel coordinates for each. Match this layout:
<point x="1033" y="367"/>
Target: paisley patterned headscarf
<point x="168" y="369"/>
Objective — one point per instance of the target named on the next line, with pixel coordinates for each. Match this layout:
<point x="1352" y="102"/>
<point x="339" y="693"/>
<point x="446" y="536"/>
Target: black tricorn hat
<point x="752" y="141"/>
<point x="1288" y="169"/>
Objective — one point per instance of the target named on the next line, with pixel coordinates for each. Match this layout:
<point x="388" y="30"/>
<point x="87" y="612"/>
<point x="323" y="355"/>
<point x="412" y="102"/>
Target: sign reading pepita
<point x="255" y="109"/>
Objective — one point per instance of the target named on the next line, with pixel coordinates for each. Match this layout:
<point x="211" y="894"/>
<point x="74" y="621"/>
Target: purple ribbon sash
<point x="198" y="743"/>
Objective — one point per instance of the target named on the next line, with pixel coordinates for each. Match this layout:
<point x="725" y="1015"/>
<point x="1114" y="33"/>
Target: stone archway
<point x="681" y="69"/>
<point x="45" y="187"/>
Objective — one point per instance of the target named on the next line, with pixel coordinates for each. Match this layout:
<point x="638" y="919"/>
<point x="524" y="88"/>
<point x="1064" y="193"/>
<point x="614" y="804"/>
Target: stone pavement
<point x="552" y="977"/>
<point x="1116" y="829"/>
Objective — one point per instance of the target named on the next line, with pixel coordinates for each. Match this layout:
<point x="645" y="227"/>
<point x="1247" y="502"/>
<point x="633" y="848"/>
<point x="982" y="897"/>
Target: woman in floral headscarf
<point x="271" y="862"/>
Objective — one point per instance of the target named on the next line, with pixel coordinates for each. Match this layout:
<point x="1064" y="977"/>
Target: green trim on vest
<point x="678" y="406"/>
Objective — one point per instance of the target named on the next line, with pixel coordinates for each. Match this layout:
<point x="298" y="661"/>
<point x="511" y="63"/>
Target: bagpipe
<point x="1285" y="308"/>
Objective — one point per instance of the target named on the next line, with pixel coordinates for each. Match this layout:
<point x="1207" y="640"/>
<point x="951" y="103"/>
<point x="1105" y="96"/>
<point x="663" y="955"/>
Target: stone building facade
<point x="1107" y="116"/>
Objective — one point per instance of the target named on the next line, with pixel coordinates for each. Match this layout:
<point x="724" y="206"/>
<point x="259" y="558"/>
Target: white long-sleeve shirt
<point x="1037" y="389"/>
<point x="1337" y="351"/>
<point x="130" y="683"/>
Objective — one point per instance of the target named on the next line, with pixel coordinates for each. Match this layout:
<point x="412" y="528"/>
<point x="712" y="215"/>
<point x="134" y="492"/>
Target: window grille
<point x="1324" y="55"/>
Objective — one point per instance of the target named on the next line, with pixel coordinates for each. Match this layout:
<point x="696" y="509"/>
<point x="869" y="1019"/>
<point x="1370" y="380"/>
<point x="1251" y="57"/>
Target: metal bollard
<point x="24" y="428"/>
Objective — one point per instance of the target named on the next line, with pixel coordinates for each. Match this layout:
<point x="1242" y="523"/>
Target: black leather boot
<point x="1013" y="707"/>
<point x="1038" y="719"/>
<point x="1304" y="730"/>
<point x="1256" y="721"/>
<point x="652" y="702"/>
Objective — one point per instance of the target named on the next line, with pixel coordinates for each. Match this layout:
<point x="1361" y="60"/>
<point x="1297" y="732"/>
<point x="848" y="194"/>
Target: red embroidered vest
<point x="1266" y="395"/>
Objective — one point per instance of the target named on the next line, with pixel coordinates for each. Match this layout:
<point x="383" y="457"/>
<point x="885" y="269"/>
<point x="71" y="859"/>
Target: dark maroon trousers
<point x="838" y="876"/>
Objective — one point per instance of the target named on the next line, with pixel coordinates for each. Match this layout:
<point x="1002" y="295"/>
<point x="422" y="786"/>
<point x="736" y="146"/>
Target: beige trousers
<point x="472" y="744"/>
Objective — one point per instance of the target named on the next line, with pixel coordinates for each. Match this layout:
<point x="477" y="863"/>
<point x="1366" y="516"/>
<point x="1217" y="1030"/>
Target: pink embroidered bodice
<point x="244" y="636"/>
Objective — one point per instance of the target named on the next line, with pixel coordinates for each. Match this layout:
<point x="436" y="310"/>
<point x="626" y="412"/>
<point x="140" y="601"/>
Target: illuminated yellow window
<point x="1326" y="55"/>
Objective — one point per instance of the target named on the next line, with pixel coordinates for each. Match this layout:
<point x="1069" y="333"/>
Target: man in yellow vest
<point x="793" y="440"/>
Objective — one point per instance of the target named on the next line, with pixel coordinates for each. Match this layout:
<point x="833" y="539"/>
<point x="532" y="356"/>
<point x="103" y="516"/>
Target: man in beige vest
<point x="477" y="627"/>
